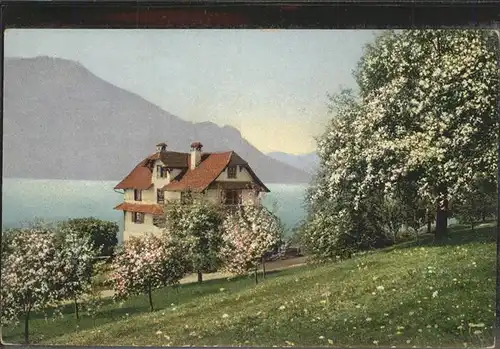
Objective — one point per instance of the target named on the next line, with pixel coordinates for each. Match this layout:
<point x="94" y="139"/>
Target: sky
<point x="272" y="85"/>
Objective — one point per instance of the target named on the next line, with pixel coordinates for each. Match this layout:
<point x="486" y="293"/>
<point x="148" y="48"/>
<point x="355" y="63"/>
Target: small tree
<point x="144" y="264"/>
<point x="75" y="255"/>
<point x="479" y="204"/>
<point x="103" y="234"/>
<point x="249" y="233"/>
<point x="30" y="273"/>
<point x="195" y="229"/>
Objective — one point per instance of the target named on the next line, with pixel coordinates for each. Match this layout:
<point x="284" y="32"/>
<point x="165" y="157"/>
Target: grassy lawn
<point x="414" y="294"/>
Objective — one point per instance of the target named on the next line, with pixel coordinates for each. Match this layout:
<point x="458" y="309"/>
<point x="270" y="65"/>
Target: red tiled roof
<point x="142" y="208"/>
<point x="141" y="175"/>
<point x="210" y="167"/>
<point x="206" y="172"/>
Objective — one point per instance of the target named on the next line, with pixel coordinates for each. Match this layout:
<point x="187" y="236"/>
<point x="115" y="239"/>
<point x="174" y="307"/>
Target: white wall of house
<point x="242" y="175"/>
<point x="172" y="195"/>
<point x="148" y="196"/>
<point x="133" y="229"/>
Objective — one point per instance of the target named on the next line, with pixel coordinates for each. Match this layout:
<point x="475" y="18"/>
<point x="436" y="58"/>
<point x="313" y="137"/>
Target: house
<point x="222" y="177"/>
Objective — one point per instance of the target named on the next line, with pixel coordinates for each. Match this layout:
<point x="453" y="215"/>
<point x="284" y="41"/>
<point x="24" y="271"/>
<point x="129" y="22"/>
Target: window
<point x="233" y="197"/>
<point x="231" y="172"/>
<point x="160" y="196"/>
<point x="137" y="195"/>
<point x="161" y="171"/>
<point x="137" y="217"/>
<point x="186" y="197"/>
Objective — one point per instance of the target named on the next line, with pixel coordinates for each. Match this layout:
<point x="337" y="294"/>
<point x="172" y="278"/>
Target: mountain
<point x="306" y="162"/>
<point x="63" y="122"/>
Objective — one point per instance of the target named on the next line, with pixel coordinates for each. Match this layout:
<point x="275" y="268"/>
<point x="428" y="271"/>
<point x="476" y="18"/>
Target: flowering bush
<point x="30" y="275"/>
<point x="144" y="264"/>
<point x="195" y="230"/>
<point x="249" y="233"/>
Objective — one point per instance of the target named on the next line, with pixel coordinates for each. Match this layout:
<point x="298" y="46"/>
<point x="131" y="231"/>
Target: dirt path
<point x="270" y="266"/>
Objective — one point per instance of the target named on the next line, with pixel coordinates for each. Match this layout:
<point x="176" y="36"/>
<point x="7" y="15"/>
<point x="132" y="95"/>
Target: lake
<point x="24" y="200"/>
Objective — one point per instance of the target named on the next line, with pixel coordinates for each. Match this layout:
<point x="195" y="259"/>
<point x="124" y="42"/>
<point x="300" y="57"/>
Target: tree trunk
<point x="77" y="315"/>
<point x="429" y="220"/>
<point x="26" y="327"/>
<point x="150" y="298"/>
<point x="256" y="275"/>
<point x="263" y="268"/>
<point x="200" y="277"/>
<point x="442" y="220"/>
<point x="472" y="226"/>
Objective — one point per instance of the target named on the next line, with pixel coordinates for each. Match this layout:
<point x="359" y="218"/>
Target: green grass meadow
<point x="422" y="294"/>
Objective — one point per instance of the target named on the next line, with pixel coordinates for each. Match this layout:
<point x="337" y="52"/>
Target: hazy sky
<point x="271" y="85"/>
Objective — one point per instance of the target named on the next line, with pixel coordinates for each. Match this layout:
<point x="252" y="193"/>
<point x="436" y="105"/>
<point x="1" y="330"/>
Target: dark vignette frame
<point x="241" y="14"/>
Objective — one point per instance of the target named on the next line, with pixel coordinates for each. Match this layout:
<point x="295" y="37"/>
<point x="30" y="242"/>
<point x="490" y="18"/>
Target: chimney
<point x="161" y="147"/>
<point x="195" y="154"/>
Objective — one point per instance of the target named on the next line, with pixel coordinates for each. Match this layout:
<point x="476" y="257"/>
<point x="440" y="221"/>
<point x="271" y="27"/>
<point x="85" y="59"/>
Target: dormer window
<point x="161" y="171"/>
<point x="137" y="195"/>
<point x="231" y="172"/>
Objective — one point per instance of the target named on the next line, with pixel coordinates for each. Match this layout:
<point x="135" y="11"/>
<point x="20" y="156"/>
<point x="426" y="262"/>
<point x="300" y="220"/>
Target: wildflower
<point x="380" y="288"/>
<point x="476" y="325"/>
<point x="282" y="307"/>
<point x="434" y="294"/>
<point x="368" y="319"/>
<point x="375" y="342"/>
<point x="222" y="289"/>
<point x="158" y="332"/>
<point x="224" y="316"/>
<point x="330" y="341"/>
<point x="408" y="341"/>
<point x="478" y="332"/>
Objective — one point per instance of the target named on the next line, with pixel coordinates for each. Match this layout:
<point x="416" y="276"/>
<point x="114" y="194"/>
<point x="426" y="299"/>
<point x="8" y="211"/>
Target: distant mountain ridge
<point x="63" y="122"/>
<point x="306" y="162"/>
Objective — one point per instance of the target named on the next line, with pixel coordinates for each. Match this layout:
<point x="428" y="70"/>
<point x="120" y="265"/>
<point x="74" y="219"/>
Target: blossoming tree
<point x="144" y="264"/>
<point x="75" y="253"/>
<point x="422" y="126"/>
<point x="429" y="100"/>
<point x="249" y="233"/>
<point x="195" y="229"/>
<point x="30" y="275"/>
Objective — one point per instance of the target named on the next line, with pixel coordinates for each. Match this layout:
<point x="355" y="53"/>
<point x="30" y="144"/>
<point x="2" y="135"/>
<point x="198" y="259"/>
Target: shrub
<point x="103" y="234"/>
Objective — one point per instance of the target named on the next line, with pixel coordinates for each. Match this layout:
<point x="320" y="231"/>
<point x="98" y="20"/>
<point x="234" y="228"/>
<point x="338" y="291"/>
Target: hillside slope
<point x="412" y="295"/>
<point x="63" y="122"/>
